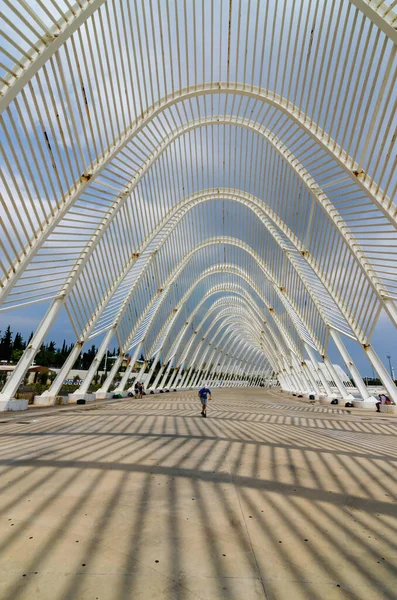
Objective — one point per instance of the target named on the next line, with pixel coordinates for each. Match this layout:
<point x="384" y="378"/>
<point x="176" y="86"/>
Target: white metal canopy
<point x="211" y="184"/>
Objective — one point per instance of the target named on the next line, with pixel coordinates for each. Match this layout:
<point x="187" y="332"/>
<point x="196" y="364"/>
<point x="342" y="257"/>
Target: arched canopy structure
<point x="209" y="184"/>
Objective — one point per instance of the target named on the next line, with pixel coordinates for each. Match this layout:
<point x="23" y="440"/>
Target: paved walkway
<point x="267" y="498"/>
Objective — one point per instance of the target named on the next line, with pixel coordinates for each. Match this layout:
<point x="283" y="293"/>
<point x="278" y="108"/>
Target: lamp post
<point x="391" y="368"/>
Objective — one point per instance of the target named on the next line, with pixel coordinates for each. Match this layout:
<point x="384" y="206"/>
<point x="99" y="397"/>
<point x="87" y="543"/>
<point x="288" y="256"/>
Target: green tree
<point x="6" y="345"/>
<point x="18" y="343"/>
<point x="16" y="355"/>
<point x="41" y="356"/>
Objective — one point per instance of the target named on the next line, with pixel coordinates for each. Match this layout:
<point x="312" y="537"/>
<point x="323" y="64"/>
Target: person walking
<point x="204" y="394"/>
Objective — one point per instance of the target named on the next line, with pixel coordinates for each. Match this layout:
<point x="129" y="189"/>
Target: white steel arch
<point x="309" y="182"/>
<point x="139" y="332"/>
<point x="155" y="158"/>
<point x="220" y="288"/>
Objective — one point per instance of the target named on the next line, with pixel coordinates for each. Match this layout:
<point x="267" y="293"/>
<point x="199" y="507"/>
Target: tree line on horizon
<point x="49" y="355"/>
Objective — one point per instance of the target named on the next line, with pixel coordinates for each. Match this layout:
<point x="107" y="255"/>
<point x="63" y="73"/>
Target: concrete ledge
<point x="13" y="404"/>
<point x="101" y="395"/>
<point x="45" y="400"/>
<point x="370" y="403"/>
<point x="75" y="396"/>
<point x="390" y="409"/>
<point x="328" y="400"/>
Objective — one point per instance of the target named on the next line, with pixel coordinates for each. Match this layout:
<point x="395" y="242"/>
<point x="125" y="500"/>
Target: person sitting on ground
<point x="203" y="394"/>
<point x="382" y="400"/>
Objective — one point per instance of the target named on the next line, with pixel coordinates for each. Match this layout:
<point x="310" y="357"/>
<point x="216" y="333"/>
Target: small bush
<point x="70" y="388"/>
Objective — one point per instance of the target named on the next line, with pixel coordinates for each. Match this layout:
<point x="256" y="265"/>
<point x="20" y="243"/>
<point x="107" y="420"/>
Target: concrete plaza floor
<point x="269" y="497"/>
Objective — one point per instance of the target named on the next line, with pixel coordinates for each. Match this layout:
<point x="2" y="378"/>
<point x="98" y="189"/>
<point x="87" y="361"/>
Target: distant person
<point x="137" y="390"/>
<point x="382" y="400"/>
<point x="204" y="394"/>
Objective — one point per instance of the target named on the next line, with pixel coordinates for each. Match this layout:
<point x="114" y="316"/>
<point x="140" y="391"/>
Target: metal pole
<point x="358" y="380"/>
<point x="83" y="389"/>
<point x="321" y="375"/>
<point x="124" y="380"/>
<point x="390" y="367"/>
<point x="338" y="381"/>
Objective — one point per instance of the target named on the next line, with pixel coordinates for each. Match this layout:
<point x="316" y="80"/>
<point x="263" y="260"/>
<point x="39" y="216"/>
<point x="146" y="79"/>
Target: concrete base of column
<point x="79" y="396"/>
<point x="100" y="395"/>
<point x="49" y="400"/>
<point x="369" y="403"/>
<point x="13" y="404"/>
<point x="328" y="399"/>
<point x="389" y="409"/>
